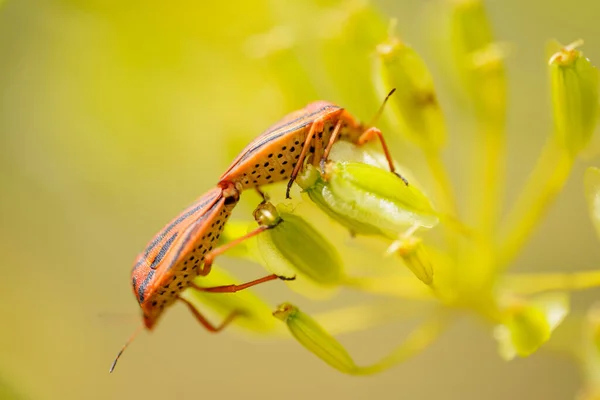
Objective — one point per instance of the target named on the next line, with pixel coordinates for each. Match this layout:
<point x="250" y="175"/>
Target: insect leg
<point x="237" y="288"/>
<point x="265" y="197"/>
<point x="372" y="133"/>
<point x="316" y="126"/>
<point x="202" y="319"/>
<point x="210" y="256"/>
<point x="332" y="139"/>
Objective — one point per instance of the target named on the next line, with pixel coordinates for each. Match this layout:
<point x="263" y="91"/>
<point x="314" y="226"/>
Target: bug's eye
<point x="231" y="200"/>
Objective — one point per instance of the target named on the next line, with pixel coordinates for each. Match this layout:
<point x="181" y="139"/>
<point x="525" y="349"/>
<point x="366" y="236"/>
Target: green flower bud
<point x="414" y="106"/>
<point x="415" y="257"/>
<point x="319" y="192"/>
<point x="314" y="338"/>
<point x="480" y="61"/>
<point x="293" y="247"/>
<point x="374" y="196"/>
<point x="574" y="84"/>
<point x="529" y="325"/>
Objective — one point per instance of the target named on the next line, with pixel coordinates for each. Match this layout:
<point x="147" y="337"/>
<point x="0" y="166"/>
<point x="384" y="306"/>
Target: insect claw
<point x="401" y="177"/>
<point x="287" y="278"/>
<point x="322" y="166"/>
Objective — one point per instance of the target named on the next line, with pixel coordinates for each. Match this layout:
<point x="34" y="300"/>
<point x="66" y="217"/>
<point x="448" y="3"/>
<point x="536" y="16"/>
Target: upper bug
<point x="279" y="153"/>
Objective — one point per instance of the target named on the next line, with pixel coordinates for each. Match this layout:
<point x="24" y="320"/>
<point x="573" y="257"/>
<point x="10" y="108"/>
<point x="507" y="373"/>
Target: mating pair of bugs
<point x="187" y="246"/>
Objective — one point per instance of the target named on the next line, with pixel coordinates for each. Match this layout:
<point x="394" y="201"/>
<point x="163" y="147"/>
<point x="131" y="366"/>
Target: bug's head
<point x="231" y="193"/>
<point x="149" y="320"/>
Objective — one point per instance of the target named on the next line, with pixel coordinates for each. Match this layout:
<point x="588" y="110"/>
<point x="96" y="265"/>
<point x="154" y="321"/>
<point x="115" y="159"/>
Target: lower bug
<point x="182" y="250"/>
<point x="279" y="153"/>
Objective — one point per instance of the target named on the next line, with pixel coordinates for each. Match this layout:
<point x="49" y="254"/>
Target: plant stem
<point x="535" y="283"/>
<point x="552" y="171"/>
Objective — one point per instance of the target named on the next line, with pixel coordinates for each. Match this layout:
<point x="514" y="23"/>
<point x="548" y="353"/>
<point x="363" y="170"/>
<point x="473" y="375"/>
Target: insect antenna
<point x="131" y="339"/>
<point x="380" y="111"/>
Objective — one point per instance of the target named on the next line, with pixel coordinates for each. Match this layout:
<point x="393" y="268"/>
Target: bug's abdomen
<point x="161" y="287"/>
<point x="273" y="163"/>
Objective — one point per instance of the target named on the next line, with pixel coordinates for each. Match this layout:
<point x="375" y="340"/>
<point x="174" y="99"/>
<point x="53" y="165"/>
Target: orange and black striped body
<point x="175" y="255"/>
<point x="272" y="156"/>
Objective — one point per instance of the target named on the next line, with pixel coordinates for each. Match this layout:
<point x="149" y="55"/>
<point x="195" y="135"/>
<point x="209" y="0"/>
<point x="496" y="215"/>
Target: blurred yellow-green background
<point x="114" y="115"/>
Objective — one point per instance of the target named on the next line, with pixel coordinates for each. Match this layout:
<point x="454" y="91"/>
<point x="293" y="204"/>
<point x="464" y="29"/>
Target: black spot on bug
<point x="296" y="142"/>
<point x="245" y="182"/>
<point x="185" y="276"/>
<point x="184" y="268"/>
<point x="209" y="234"/>
<point x="174" y="278"/>
<point x="167" y="285"/>
<point x="154" y="303"/>
<point x="257" y="176"/>
<point x="255" y="181"/>
<point x="292" y="149"/>
<point x="285" y="162"/>
<point x="312" y="149"/>
<point x="313" y="136"/>
<point x="282" y="171"/>
<point x="297" y="156"/>
<point x="192" y="257"/>
<point x="266" y="164"/>
<point x="271" y="169"/>
<point x="268" y="177"/>
<point x="257" y="165"/>
<point x="218" y="236"/>
<point x="270" y="155"/>
<point x="283" y="148"/>
<point x="279" y="155"/>
<point x="253" y="172"/>
<point x="180" y="284"/>
<point x="172" y="292"/>
<point x="204" y="251"/>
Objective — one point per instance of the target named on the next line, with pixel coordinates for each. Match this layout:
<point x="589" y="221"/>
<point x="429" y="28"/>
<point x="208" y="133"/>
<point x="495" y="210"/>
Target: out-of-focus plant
<point x="465" y="270"/>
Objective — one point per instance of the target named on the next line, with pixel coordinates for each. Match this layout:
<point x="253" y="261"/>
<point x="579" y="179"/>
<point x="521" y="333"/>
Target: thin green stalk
<point x="492" y="158"/>
<point x="397" y="286"/>
<point x="416" y="342"/>
<point x="527" y="284"/>
<point x="544" y="184"/>
<point x="444" y="193"/>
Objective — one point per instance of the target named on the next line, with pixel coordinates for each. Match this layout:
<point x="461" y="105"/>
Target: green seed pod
<point x="374" y="196"/>
<point x="529" y="325"/>
<point x="574" y="85"/>
<point x="415" y="257"/>
<point x="293" y="247"/>
<point x="479" y="60"/>
<point x="319" y="192"/>
<point x="314" y="338"/>
<point x="415" y="107"/>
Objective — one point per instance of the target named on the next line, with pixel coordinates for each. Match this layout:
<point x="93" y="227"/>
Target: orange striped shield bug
<point x="183" y="250"/>
<point x="278" y="154"/>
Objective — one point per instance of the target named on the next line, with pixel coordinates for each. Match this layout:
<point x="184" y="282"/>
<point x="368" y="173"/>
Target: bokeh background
<point x="114" y="115"/>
